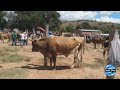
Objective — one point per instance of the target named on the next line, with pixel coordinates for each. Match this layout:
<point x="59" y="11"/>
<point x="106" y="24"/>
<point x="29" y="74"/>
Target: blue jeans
<point x="21" y="42"/>
<point x="13" y="41"/>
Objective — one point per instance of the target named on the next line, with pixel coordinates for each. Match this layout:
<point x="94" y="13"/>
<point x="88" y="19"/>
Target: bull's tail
<point x="84" y="44"/>
<point x="77" y="56"/>
<point x="81" y="52"/>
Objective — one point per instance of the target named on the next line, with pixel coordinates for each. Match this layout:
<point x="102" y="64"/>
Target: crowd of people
<point x="23" y="36"/>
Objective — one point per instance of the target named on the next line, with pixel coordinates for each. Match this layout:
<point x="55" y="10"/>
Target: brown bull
<point x="5" y="36"/>
<point x="98" y="41"/>
<point x="50" y="47"/>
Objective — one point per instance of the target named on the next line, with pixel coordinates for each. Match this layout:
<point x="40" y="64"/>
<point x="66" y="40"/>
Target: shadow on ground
<point x="38" y="67"/>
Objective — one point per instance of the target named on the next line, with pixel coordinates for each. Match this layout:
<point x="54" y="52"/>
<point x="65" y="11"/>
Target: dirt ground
<point x="92" y="66"/>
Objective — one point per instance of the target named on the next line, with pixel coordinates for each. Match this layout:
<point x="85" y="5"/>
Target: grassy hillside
<point x="105" y="27"/>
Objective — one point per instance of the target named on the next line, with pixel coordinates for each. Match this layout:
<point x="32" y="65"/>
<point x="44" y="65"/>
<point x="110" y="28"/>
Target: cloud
<point x="105" y="13"/>
<point x="104" y="16"/>
<point x="108" y="19"/>
<point x="77" y="15"/>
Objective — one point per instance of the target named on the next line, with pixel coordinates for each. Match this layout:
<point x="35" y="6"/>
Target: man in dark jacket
<point x="14" y="37"/>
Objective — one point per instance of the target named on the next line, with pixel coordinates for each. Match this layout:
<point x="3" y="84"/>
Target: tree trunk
<point x="33" y="33"/>
<point x="47" y="29"/>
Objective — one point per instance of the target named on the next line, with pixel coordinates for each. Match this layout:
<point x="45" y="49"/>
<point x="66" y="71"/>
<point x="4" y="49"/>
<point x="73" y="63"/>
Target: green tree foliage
<point x="78" y="27"/>
<point x="3" y="21"/>
<point x="32" y="19"/>
<point x="70" y="28"/>
<point x="86" y="25"/>
<point x="63" y="30"/>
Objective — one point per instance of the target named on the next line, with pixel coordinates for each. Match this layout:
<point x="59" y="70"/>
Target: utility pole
<point x="46" y="33"/>
<point x="47" y="29"/>
<point x="46" y="25"/>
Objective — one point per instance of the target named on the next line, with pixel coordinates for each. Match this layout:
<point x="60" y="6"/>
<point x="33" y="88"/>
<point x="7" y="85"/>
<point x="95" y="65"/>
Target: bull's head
<point x="34" y="46"/>
<point x="38" y="45"/>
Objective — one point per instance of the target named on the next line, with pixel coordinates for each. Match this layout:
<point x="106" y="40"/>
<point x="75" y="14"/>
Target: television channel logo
<point x="110" y="70"/>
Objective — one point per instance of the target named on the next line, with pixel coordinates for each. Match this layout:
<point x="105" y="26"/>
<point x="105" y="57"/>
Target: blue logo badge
<point x="110" y="70"/>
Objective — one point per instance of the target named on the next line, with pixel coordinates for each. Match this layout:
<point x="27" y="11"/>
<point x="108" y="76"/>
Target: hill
<point x="105" y="27"/>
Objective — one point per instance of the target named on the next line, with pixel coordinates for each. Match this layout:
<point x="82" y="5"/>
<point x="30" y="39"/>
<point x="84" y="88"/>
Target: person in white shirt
<point x="26" y="39"/>
<point x="22" y="38"/>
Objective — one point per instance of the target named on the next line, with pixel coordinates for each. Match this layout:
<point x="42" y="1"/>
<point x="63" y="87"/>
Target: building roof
<point x="105" y="34"/>
<point x="89" y="30"/>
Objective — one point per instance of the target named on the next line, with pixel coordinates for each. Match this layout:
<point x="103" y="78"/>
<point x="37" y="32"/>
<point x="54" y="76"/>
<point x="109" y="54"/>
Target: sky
<point x="103" y="16"/>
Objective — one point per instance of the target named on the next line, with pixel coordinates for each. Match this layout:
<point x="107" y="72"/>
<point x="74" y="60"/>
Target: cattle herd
<point x="52" y="46"/>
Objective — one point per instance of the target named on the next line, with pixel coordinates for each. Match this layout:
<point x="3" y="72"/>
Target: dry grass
<point x="23" y="63"/>
<point x="10" y="54"/>
<point x="12" y="73"/>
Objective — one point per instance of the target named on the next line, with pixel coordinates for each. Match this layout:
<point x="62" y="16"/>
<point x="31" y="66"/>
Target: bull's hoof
<point x="75" y="67"/>
<point x="72" y="67"/>
<point x="50" y="67"/>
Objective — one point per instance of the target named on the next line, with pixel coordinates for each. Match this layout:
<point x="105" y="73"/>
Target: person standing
<point x="22" y="38"/>
<point x="14" y="37"/>
<point x="50" y="34"/>
<point x="26" y="39"/>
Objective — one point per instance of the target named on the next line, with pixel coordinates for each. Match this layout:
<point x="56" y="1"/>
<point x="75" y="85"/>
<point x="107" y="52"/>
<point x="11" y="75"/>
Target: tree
<point x="70" y="28"/>
<point x="52" y="18"/>
<point x="63" y="30"/>
<point x="32" y="19"/>
<point x="78" y="27"/>
<point x="3" y="21"/>
<point x="85" y="25"/>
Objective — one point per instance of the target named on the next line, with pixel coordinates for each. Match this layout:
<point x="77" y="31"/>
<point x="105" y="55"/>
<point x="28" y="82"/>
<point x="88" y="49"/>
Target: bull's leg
<point x="75" y="58"/>
<point x="8" y="40"/>
<point x="76" y="62"/>
<point x="104" y="53"/>
<point x="54" y="61"/>
<point x="95" y="45"/>
<point x="79" y="55"/>
<point x="45" y="61"/>
<point x="50" y="62"/>
<point x="73" y="64"/>
<point x="102" y="45"/>
<point x="83" y="47"/>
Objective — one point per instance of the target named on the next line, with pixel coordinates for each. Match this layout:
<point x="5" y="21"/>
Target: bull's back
<point x="62" y="44"/>
<point x="98" y="41"/>
<point x="4" y="36"/>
